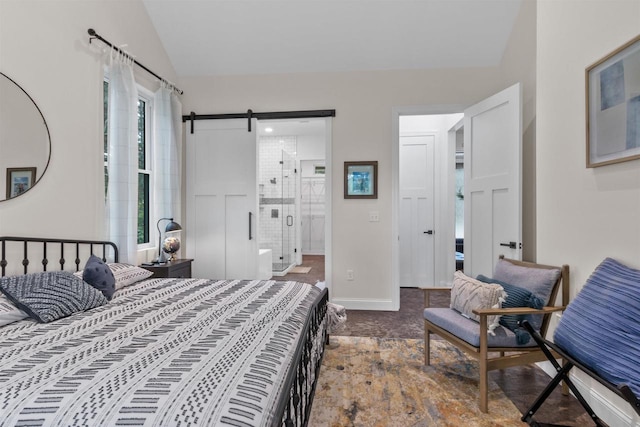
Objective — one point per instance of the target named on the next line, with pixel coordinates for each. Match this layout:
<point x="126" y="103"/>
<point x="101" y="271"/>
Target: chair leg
<point x="484" y="366"/>
<point x="565" y="387"/>
<point x="427" y="346"/>
<point x="484" y="385"/>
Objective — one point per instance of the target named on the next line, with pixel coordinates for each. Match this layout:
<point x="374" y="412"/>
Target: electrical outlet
<point x="349" y="274"/>
<point x="374" y="216"/>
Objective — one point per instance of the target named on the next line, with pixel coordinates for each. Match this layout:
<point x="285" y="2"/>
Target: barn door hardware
<point x="260" y="116"/>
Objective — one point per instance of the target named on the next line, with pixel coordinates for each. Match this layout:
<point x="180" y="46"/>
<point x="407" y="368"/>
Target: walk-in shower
<point x="277" y="198"/>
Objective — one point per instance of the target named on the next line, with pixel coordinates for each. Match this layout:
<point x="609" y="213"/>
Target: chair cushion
<point x="538" y="281"/>
<point x="468" y="294"/>
<point x="469" y="331"/>
<point x="600" y="326"/>
<point x="516" y="297"/>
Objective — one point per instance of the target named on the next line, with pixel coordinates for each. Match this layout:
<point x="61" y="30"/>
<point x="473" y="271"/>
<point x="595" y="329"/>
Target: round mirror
<point x="25" y="144"/>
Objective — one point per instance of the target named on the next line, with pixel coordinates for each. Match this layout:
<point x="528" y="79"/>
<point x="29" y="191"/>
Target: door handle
<point x="250" y="236"/>
<point x="510" y="245"/>
<point x="289" y="217"/>
<point x="428" y="232"/>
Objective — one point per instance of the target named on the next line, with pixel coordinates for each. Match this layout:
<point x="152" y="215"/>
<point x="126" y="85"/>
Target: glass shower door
<point x="288" y="180"/>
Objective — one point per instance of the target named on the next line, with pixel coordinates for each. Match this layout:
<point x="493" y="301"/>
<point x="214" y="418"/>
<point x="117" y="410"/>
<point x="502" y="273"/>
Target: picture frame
<point x="613" y="106"/>
<point x="361" y="180"/>
<point x="19" y="180"/>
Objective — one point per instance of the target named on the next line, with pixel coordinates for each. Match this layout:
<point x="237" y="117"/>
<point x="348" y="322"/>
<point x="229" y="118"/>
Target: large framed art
<point x="361" y="180"/>
<point x="613" y="106"/>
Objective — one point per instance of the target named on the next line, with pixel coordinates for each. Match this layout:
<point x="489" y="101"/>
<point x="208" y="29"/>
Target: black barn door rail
<point x="192" y="117"/>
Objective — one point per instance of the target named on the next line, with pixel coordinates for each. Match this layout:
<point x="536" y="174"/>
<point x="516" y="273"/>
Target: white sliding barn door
<point x="493" y="181"/>
<point x="417" y="260"/>
<point x="222" y="202"/>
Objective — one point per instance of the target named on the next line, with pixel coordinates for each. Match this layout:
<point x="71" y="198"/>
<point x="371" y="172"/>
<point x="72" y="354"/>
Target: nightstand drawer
<point x="180" y="268"/>
<point x="183" y="271"/>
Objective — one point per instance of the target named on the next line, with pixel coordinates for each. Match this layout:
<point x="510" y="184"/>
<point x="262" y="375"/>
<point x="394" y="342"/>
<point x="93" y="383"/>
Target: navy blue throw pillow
<point x="99" y="275"/>
<point x="516" y="297"/>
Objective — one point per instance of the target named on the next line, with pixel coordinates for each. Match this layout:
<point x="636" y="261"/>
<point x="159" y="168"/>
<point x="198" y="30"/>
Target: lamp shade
<point x="172" y="226"/>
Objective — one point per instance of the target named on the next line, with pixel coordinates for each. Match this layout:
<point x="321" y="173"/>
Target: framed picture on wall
<point x="19" y="180"/>
<point x="613" y="106"/>
<point x="361" y="180"/>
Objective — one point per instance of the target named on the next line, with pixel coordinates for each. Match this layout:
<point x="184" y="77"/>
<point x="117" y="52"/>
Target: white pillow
<point x="468" y="294"/>
<point x="127" y="274"/>
<point x="9" y="313"/>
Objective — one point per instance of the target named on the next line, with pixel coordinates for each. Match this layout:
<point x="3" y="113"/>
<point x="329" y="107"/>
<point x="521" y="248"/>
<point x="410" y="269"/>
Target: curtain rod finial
<point x="91" y="32"/>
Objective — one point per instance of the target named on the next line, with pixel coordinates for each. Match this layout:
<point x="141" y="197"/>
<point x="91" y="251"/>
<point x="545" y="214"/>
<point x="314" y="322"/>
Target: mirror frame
<point x="46" y="127"/>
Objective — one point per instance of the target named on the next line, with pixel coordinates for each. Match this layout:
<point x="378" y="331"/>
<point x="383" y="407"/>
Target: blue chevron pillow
<point x="51" y="295"/>
<point x="600" y="326"/>
<point x="516" y="297"/>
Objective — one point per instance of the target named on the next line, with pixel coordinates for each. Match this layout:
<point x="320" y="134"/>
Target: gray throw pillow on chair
<point x="538" y="281"/>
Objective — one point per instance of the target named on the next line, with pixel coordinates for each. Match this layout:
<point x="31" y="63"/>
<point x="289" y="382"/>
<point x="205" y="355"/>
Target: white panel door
<point x="417" y="262"/>
<point x="222" y="200"/>
<point x="313" y="216"/>
<point x="493" y="181"/>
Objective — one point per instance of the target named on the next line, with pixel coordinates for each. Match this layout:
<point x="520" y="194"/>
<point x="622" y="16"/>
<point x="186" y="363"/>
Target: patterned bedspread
<point x="164" y="352"/>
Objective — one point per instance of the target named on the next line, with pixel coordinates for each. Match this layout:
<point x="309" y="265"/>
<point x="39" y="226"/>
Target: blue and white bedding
<point x="163" y="352"/>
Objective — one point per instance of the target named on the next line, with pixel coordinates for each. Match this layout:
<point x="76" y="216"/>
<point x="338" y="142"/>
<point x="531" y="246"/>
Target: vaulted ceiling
<point x="229" y="37"/>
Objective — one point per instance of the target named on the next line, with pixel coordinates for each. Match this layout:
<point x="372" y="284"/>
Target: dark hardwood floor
<point x="316" y="262"/>
<point x="521" y="384"/>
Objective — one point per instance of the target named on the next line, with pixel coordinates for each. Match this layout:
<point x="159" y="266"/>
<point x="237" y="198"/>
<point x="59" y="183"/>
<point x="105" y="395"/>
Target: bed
<point x="161" y="352"/>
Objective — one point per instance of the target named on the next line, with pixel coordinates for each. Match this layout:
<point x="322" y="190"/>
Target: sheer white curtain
<point x="122" y="164"/>
<point x="166" y="166"/>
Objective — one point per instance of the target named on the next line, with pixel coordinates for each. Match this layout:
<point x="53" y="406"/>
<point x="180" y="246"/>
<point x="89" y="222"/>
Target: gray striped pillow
<point x="9" y="313"/>
<point x="51" y="295"/>
<point x="127" y="274"/>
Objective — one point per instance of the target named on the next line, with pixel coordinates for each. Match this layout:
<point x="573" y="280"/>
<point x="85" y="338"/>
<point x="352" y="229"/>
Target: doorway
<point x="425" y="227"/>
<point x="431" y="234"/>
<point x="293" y="220"/>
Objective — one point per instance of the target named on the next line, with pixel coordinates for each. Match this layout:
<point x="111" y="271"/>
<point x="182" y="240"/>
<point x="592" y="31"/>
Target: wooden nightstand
<point x="177" y="268"/>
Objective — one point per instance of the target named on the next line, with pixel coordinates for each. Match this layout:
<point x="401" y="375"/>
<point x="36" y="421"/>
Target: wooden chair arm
<point x="515" y="310"/>
<point x="427" y="294"/>
<point x="427" y="290"/>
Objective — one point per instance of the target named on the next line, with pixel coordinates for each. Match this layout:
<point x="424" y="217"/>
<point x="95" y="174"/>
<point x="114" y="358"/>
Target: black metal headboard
<point x="15" y="251"/>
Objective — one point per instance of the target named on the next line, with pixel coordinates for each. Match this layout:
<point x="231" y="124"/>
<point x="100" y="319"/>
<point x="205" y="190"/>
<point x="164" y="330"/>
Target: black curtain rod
<point x="95" y="35"/>
<point x="307" y="114"/>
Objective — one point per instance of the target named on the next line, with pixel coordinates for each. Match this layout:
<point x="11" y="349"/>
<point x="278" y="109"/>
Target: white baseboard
<point x="364" y="304"/>
<point x="612" y="409"/>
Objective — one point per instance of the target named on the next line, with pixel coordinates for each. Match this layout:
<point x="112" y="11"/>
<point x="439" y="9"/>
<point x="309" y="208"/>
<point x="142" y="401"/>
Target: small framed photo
<point x="613" y="106"/>
<point x="361" y="180"/>
<point x="19" y="180"/>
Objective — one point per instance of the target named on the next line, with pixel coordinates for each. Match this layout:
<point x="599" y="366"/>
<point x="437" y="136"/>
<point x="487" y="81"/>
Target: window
<point x="144" y="161"/>
<point x="144" y="171"/>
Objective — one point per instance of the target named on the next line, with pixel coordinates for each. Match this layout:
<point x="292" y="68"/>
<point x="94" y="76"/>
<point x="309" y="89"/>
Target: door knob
<point x="428" y="232"/>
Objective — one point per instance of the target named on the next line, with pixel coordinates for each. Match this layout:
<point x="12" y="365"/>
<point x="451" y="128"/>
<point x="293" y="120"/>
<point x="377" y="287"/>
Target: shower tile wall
<point x="270" y="193"/>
